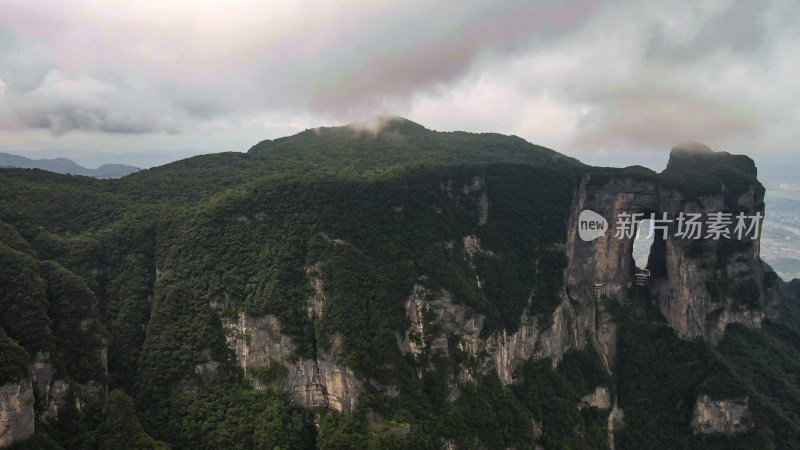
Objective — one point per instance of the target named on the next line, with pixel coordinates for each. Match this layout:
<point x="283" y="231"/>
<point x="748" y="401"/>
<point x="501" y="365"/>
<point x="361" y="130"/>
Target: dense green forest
<point x="143" y="273"/>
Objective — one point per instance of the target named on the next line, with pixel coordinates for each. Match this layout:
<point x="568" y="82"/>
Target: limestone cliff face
<point x="259" y="343"/>
<point x="16" y="412"/>
<point x="700" y="286"/>
<point x="684" y="289"/>
<point x="606" y="261"/>
<point x="681" y="286"/>
<point x="501" y="351"/>
<point x="51" y="394"/>
<point x="604" y="266"/>
<point x="41" y="395"/>
<point x="320" y="382"/>
<point x="317" y="298"/>
<point x="324" y="382"/>
<point x="721" y="416"/>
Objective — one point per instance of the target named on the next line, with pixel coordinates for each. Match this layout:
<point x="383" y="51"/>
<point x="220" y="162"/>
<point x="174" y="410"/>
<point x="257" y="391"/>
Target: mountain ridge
<point x="65" y="166"/>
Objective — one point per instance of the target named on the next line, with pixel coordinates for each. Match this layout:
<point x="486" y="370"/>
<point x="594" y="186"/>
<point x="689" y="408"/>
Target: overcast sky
<point x="591" y="79"/>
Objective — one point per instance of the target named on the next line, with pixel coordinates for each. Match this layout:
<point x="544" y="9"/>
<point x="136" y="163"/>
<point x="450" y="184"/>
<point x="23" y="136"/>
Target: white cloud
<point x="578" y="76"/>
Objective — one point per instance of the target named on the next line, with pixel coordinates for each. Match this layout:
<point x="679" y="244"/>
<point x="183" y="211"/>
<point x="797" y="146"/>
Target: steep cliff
<point x="699" y="283"/>
<point x="438" y="324"/>
<point x="260" y="346"/>
<point x="56" y="346"/>
<point x="680" y="291"/>
<point x="53" y="388"/>
<point x="701" y="286"/>
<point x="16" y="412"/>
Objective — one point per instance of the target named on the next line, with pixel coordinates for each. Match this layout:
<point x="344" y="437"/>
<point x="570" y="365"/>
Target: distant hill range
<point x="65" y="166"/>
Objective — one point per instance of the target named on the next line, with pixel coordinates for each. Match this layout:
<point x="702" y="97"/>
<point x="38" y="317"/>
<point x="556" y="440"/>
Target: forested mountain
<point x="383" y="285"/>
<point x="65" y="166"/>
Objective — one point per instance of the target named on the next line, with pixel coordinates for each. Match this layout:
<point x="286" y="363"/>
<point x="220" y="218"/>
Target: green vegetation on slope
<point x="660" y="376"/>
<point x="13" y="360"/>
<point x="152" y="263"/>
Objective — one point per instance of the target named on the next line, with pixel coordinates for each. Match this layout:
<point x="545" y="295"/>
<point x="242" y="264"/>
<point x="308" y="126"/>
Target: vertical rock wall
<point x="16" y="412"/>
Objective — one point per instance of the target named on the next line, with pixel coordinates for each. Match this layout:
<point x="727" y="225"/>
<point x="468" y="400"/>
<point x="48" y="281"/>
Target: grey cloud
<point x="439" y="47"/>
<point x="8" y="41"/>
<point x="739" y="28"/>
<point x="199" y="102"/>
<point x="98" y="102"/>
<point x="63" y="119"/>
<point x="19" y="74"/>
<point x="23" y="78"/>
<point x="517" y="67"/>
<point x="346" y="67"/>
<point x="198" y="108"/>
<point x="653" y="118"/>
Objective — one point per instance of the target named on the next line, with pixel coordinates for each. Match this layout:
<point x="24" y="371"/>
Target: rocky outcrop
<point x="607" y="261"/>
<point x="721" y="416"/>
<point x="259" y="344"/>
<point x="317" y="297"/>
<point x="41" y="396"/>
<point x="257" y="341"/>
<point x="686" y="270"/>
<point x="615" y="421"/>
<point x="473" y="190"/>
<point x="603" y="267"/>
<point x="699" y="285"/>
<point x="52" y="394"/>
<point x="324" y="383"/>
<point x="599" y="398"/>
<point x="320" y="382"/>
<point x="501" y="351"/>
<point x="16" y="412"/>
<point x="208" y="367"/>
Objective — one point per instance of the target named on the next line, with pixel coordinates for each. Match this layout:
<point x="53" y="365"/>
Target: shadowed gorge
<point x="383" y="285"/>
